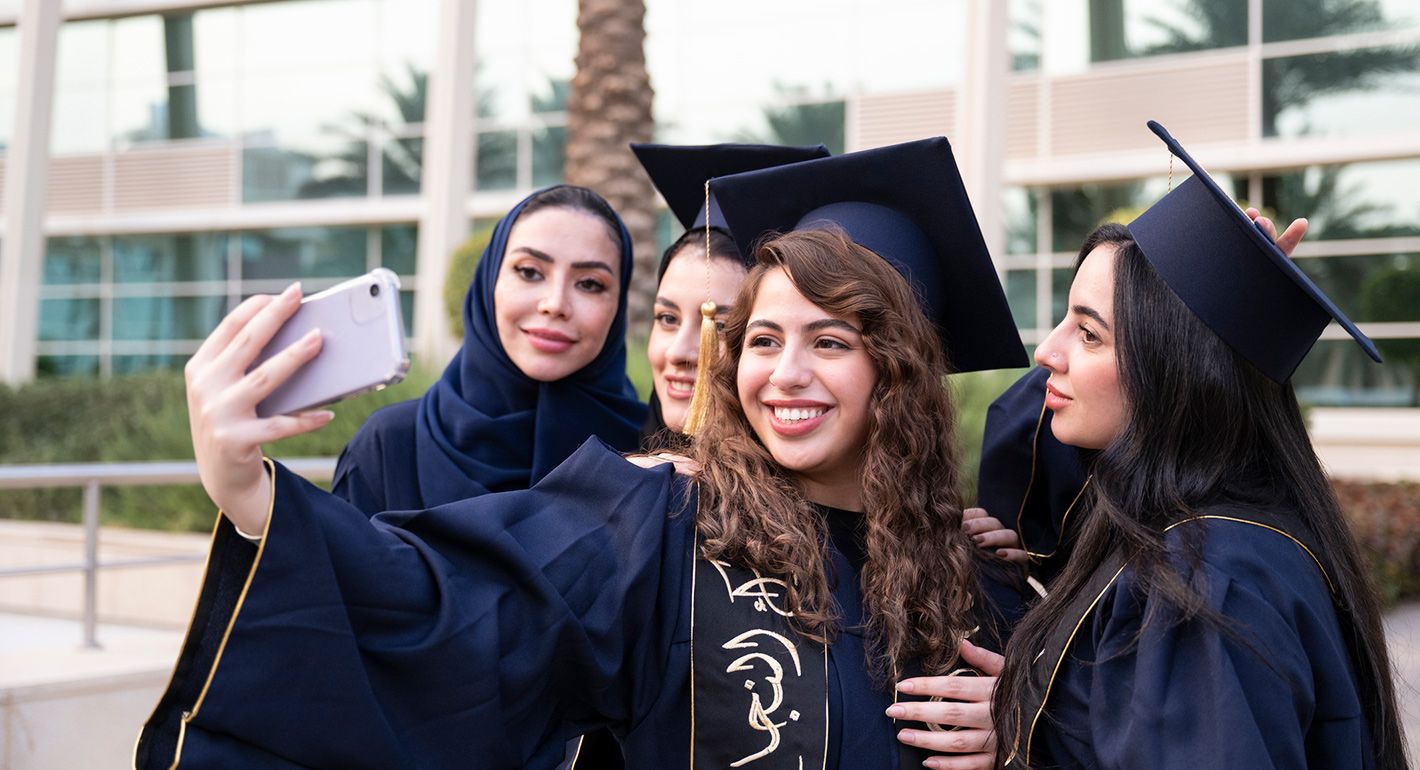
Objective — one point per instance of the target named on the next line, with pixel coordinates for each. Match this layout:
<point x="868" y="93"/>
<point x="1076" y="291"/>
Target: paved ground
<point x="1403" y="633"/>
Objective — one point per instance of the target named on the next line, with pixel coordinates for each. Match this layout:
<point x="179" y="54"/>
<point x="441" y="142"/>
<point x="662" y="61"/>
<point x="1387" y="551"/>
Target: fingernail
<point x="292" y="289"/>
<point x="324" y="415"/>
<point x="978" y="539"/>
<point x="908" y="686"/>
<point x="1001" y="552"/>
<point x="895" y="711"/>
<point x="311" y="336"/>
<point x="907" y="736"/>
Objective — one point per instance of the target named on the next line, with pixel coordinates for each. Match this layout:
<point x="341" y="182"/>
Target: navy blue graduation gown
<point x="483" y="633"/>
<point x="1028" y="479"/>
<point x="1282" y="694"/>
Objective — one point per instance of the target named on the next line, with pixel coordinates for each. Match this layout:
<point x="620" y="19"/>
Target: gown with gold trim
<point x="484" y="633"/>
<point x="1282" y="694"/>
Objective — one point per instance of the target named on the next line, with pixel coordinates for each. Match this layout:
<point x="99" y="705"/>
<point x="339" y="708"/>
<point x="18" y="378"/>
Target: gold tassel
<point x="709" y="348"/>
<point x="709" y="343"/>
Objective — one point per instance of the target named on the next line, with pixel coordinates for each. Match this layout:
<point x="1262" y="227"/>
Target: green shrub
<point x="462" y="263"/>
<point x="1386" y="521"/>
<point x="139" y="418"/>
<point x="972" y="394"/>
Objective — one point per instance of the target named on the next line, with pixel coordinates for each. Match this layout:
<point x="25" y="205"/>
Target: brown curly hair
<point x="919" y="581"/>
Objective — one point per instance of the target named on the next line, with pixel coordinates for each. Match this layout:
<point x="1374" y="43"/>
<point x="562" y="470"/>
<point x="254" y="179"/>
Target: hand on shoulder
<point x="683" y="465"/>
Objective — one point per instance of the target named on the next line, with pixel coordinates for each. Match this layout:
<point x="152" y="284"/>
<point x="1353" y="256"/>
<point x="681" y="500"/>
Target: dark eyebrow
<point x="833" y="323"/>
<point x="543" y="256"/>
<point x="663" y="301"/>
<point x="1092" y="313"/>
<point x="825" y="323"/>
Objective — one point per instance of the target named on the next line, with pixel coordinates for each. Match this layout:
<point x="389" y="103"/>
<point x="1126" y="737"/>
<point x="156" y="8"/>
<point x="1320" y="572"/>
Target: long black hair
<point x="1177" y="375"/>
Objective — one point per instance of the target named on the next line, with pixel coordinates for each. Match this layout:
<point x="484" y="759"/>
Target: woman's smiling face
<point x="805" y="383"/>
<point x="557" y="292"/>
<point x="674" y="344"/>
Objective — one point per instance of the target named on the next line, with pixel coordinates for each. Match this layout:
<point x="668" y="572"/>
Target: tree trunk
<point x="610" y="106"/>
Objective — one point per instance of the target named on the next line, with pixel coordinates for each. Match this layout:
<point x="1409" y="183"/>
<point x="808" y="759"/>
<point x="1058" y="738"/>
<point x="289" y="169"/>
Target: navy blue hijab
<point x="487" y="427"/>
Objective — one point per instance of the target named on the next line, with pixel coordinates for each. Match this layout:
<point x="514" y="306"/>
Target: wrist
<point x="251" y="510"/>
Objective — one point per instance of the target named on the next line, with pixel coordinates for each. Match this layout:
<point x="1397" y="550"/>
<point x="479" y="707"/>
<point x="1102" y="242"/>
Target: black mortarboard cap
<point x="1232" y="276"/>
<point x="679" y="172"/>
<point x="907" y="203"/>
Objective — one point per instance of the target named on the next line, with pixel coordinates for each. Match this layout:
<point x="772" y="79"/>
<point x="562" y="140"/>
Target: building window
<point x="121" y="304"/>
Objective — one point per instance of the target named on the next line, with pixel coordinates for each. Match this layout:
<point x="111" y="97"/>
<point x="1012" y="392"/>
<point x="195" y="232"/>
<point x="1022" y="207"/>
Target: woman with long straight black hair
<point x="1215" y="611"/>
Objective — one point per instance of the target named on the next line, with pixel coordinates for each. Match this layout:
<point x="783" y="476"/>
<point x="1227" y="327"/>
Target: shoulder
<point x="1251" y="548"/>
<point x="389" y="423"/>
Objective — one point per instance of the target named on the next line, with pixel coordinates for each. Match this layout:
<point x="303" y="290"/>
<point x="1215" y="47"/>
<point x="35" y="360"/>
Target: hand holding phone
<point x="362" y="331"/>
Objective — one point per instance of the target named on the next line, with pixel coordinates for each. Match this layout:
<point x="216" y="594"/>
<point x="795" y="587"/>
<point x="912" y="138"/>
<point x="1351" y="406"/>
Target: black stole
<point x="1048" y="662"/>
<point x="758" y="691"/>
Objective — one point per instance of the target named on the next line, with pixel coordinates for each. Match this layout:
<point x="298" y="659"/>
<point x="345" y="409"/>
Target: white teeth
<point x="783" y="414"/>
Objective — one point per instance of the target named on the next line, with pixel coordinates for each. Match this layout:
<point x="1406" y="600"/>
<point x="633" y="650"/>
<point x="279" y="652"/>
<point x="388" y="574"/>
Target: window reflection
<point x="496" y="160"/>
<point x="1370" y="288"/>
<point x="1359" y="200"/>
<point x="1346" y="93"/>
<point x="305" y="252"/>
<point x="183" y="257"/>
<point x="1023" y="34"/>
<point x="403" y="168"/>
<point x="68" y="319"/>
<point x="166" y="318"/>
<point x="1294" y="19"/>
<point x="1020" y="207"/>
<point x="1338" y="373"/>
<point x="1020" y="295"/>
<point x="327" y="166"/>
<point x="76" y="259"/>
<point x="399" y="248"/>
<point x="549" y="145"/>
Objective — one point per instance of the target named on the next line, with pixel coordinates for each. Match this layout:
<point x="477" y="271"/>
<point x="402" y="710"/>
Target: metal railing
<point x="92" y="478"/>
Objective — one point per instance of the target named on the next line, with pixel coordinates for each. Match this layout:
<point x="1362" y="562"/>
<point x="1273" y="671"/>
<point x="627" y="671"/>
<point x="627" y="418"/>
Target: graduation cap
<point x="1232" y="276"/>
<point x="680" y="172"/>
<point x="906" y="203"/>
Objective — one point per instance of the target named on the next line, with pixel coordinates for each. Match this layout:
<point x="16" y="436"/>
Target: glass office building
<point x="204" y="151"/>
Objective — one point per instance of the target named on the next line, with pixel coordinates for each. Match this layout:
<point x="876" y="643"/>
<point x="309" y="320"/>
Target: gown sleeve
<point x="377" y="470"/>
<point x="483" y="633"/>
<point x="1170" y="693"/>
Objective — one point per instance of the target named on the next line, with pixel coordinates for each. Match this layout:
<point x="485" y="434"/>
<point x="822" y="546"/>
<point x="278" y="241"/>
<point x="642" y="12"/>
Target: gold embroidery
<point x="760" y="718"/>
<point x="758" y="589"/>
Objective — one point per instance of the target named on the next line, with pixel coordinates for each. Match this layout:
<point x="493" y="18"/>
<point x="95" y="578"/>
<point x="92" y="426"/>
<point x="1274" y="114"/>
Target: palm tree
<point x="608" y="107"/>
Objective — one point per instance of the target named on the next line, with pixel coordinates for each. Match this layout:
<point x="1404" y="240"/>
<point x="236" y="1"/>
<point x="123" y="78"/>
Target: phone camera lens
<point x="374" y="290"/>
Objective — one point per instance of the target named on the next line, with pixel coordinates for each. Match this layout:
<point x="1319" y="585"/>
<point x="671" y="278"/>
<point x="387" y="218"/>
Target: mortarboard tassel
<point x="709" y="345"/>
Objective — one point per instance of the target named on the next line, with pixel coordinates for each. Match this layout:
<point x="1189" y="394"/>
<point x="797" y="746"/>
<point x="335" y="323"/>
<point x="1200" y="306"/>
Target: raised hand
<point x="221" y="404"/>
<point x="1290" y="237"/>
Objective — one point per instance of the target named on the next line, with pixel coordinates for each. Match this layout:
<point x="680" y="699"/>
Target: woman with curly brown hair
<point x="755" y="615"/>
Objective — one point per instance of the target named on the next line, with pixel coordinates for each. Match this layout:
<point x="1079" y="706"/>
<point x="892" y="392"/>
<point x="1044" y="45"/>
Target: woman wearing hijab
<point x="1215" y="611"/>
<point x="759" y="613"/>
<point x="542" y="366"/>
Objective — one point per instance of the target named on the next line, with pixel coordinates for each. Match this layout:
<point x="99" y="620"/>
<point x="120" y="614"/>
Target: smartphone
<point x="362" y="331"/>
